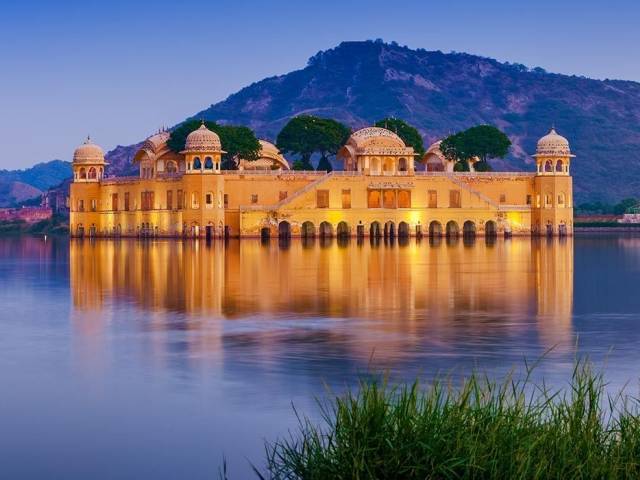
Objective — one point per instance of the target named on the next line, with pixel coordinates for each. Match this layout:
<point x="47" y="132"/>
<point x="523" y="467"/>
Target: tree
<point x="305" y="135"/>
<point x="409" y="134"/>
<point x="236" y="141"/>
<point x="482" y="142"/>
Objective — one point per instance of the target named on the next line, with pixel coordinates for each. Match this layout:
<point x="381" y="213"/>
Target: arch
<point x="93" y="173"/>
<point x="284" y="229"/>
<point x="562" y="229"/>
<point x="375" y="230"/>
<point x="208" y="163"/>
<point x="171" y="167"/>
<point x="548" y="166"/>
<point x="343" y="229"/>
<point x="403" y="165"/>
<point x="308" y="230"/>
<point x="435" y="229"/>
<point x="562" y="200"/>
<point x="374" y="166"/>
<point x="197" y="164"/>
<point x="83" y="173"/>
<point x="265" y="233"/>
<point x="491" y="229"/>
<point x="452" y="229"/>
<point x="469" y="229"/>
<point x="403" y="230"/>
<point x="559" y="166"/>
<point x="389" y="229"/>
<point x="326" y="230"/>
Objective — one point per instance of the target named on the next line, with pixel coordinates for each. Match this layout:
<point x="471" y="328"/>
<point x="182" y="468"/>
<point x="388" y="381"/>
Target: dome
<point x="375" y="137"/>
<point x="553" y="145"/>
<point x="269" y="157"/>
<point x="202" y="140"/>
<point x="88" y="152"/>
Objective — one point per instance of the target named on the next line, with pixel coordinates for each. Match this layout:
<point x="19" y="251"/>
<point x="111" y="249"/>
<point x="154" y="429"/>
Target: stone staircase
<point x="479" y="195"/>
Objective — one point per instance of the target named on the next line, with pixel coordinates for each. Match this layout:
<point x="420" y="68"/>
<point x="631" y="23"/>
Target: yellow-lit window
<point x="404" y="199"/>
<point x="114" y="202"/>
<point x="81" y="205"/>
<point x="433" y="199"/>
<point x="389" y="199"/>
<point x="322" y="199"/>
<point x="195" y="200"/>
<point x="454" y="199"/>
<point x="346" y="198"/>
<point x="180" y="200"/>
<point x="169" y="199"/>
<point x="373" y="199"/>
<point x="126" y="201"/>
<point x="94" y="205"/>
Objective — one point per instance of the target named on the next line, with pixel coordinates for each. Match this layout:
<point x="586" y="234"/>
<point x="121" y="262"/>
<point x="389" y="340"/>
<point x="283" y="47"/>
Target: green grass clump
<point x="479" y="429"/>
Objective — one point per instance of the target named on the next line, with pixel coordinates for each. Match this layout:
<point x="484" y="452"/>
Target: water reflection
<point x="404" y="289"/>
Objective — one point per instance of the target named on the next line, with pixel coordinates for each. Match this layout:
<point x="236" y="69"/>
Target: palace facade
<point x="383" y="190"/>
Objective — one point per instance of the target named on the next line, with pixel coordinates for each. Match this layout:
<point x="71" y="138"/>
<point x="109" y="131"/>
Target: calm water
<point x="129" y="360"/>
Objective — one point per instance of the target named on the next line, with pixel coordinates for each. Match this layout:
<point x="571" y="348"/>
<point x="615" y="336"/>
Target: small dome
<point x="553" y="144"/>
<point x="202" y="140"/>
<point x="88" y="152"/>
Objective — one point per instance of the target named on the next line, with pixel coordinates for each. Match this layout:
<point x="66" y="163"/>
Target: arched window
<point x="93" y="173"/>
<point x="402" y="165"/>
<point x="559" y="166"/>
<point x="195" y="200"/>
<point x="208" y="163"/>
<point x="548" y="167"/>
<point x="374" y="166"/>
<point x="171" y="167"/>
<point x="197" y="164"/>
<point x="561" y="200"/>
<point x="83" y="173"/>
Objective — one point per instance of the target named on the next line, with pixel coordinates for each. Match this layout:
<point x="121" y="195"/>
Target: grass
<point x="479" y="429"/>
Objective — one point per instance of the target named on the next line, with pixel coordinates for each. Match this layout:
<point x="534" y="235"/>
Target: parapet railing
<point x="274" y="173"/>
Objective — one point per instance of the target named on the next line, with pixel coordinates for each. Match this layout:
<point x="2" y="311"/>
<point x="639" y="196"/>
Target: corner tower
<point x="203" y="184"/>
<point x="88" y="162"/>
<point x="553" y="207"/>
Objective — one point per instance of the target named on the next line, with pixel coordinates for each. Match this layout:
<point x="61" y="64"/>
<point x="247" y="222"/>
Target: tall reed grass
<point x="476" y="429"/>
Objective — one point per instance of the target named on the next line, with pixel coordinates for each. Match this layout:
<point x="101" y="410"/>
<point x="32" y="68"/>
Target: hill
<point x="361" y="82"/>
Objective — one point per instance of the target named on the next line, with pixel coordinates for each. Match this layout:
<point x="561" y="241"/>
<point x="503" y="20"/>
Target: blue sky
<point x="119" y="70"/>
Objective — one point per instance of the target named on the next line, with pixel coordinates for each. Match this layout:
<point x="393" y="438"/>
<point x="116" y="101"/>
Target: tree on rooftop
<point x="482" y="142"/>
<point x="305" y="135"/>
<point x="409" y="134"/>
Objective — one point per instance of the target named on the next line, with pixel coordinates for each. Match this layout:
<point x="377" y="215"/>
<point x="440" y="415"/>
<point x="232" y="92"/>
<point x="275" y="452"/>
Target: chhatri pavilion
<point x="383" y="190"/>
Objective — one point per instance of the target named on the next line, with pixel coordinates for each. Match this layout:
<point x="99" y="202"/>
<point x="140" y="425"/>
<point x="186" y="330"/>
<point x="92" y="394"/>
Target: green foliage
<point x="236" y="141"/>
<point x="301" y="165"/>
<point x="482" y="141"/>
<point x="482" y="166"/>
<point x="409" y="135"/>
<point x="628" y="205"/>
<point x="305" y="135"/>
<point x="324" y="164"/>
<point x="57" y="224"/>
<point x="483" y="429"/>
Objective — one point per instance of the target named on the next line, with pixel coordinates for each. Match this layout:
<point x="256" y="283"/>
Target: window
<point x="208" y="199"/>
<point x="503" y="198"/>
<point x="389" y="199"/>
<point x="346" y="198"/>
<point x="548" y="200"/>
<point x="454" y="199"/>
<point x="208" y="163"/>
<point x="180" y="200"/>
<point x="433" y="198"/>
<point x="538" y="201"/>
<point x="171" y="167"/>
<point x="197" y="164"/>
<point x="561" y="200"/>
<point x="528" y="199"/>
<point x="226" y="200"/>
<point x="254" y="199"/>
<point x="195" y="200"/>
<point x="126" y="201"/>
<point x="373" y="199"/>
<point x="322" y="199"/>
<point x="94" y="205"/>
<point x="283" y="195"/>
<point x="114" y="202"/>
<point x="81" y="205"/>
<point x="169" y="199"/>
<point x="146" y="200"/>
<point x="404" y="199"/>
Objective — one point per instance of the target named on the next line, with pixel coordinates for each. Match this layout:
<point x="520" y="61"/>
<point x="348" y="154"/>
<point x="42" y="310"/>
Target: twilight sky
<point x="118" y="70"/>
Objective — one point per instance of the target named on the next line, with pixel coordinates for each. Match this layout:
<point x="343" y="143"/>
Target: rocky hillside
<point x="360" y="82"/>
<point x="19" y="185"/>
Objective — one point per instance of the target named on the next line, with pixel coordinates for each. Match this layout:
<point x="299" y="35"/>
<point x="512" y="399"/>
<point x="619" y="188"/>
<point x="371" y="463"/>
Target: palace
<point x="383" y="190"/>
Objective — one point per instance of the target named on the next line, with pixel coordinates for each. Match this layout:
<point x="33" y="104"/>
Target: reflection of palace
<point x="400" y="288"/>
<point x="382" y="191"/>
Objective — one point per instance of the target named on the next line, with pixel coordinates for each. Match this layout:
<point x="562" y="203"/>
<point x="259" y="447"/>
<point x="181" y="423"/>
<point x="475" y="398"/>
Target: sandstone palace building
<point x="383" y="190"/>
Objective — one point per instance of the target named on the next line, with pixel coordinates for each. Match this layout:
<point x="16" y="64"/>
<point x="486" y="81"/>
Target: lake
<point x="154" y="359"/>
